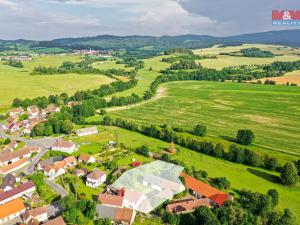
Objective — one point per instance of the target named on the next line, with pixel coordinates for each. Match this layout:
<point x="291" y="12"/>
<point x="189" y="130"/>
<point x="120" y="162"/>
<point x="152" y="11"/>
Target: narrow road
<point x="57" y="188"/>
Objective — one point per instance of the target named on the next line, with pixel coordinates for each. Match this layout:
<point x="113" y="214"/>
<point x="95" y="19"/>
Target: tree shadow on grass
<point x="227" y="138"/>
<point x="264" y="175"/>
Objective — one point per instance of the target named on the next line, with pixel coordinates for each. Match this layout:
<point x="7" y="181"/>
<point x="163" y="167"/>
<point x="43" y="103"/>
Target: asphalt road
<point x="57" y="188"/>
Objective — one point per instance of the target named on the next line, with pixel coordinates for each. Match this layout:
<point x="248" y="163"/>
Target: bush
<point x="200" y="130"/>
<point x="245" y="137"/>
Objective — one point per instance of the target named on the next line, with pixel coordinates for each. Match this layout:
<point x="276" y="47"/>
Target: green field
<point x="240" y="176"/>
<point x="18" y="83"/>
<point x="284" y="54"/>
<point x="272" y="112"/>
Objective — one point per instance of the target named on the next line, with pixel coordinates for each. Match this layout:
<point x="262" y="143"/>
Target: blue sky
<point x="49" y="19"/>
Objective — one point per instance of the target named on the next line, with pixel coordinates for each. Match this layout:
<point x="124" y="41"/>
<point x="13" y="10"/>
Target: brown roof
<point x="16" y="190"/>
<point x="95" y="175"/>
<point x="56" y="221"/>
<point x="69" y="160"/>
<point x="80" y="171"/>
<point x="11" y="207"/>
<point x="19" y="154"/>
<point x="34" y="212"/>
<point x="123" y="215"/>
<point x="188" y="205"/>
<point x="84" y="157"/>
<point x="108" y="199"/>
<point x="205" y="189"/>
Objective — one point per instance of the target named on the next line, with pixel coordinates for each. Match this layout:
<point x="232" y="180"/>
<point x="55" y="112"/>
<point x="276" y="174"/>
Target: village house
<point x="133" y="199"/>
<point x="11" y="210"/>
<point x="160" y="184"/>
<point x="64" y="146"/>
<point x="16" y="112"/>
<point x="37" y="215"/>
<point x="12" y="145"/>
<point x="86" y="131"/>
<point x="118" y="215"/>
<point x="202" y="190"/>
<point x="33" y="111"/>
<point x="95" y="178"/>
<point x="17" y="192"/>
<point x="12" y="167"/>
<point x="51" y="109"/>
<point x="55" y="169"/>
<point x="111" y="200"/>
<point x="9" y="182"/>
<point x="49" y="161"/>
<point x="80" y="172"/>
<point x="57" y="221"/>
<point x="187" y="206"/>
<point x="14" y="156"/>
<point x="86" y="158"/>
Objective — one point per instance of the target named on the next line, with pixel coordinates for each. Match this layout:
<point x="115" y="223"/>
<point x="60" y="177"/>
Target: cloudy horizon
<point x="51" y="19"/>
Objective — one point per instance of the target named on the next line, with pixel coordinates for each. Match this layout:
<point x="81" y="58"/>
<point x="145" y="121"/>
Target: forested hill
<point x="287" y="37"/>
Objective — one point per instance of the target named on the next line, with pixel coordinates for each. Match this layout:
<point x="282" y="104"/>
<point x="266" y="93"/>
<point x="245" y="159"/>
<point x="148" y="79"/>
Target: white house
<point x="54" y="171"/>
<point x="86" y="131"/>
<point x="11" y="210"/>
<point x="96" y="178"/>
<point x="64" y="146"/>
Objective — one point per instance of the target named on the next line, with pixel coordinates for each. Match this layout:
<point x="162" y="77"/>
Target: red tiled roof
<point x="123" y="215"/>
<point x="84" y="157"/>
<point x="63" y="144"/>
<point x="108" y="199"/>
<point x="10" y="167"/>
<point x="19" y="154"/>
<point x="136" y="164"/>
<point x="34" y="212"/>
<point x="70" y="160"/>
<point x="188" y="205"/>
<point x="220" y="199"/>
<point x="56" y="221"/>
<point x="204" y="189"/>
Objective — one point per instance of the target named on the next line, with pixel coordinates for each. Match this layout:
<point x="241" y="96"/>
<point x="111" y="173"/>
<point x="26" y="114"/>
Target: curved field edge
<point x="272" y="112"/>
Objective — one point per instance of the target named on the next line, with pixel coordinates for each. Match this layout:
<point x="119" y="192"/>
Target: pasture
<point x="272" y="112"/>
<point x="18" y="83"/>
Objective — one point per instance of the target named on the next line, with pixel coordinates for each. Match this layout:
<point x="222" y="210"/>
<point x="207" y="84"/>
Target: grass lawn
<point x="272" y="112"/>
<point x="18" y="83"/>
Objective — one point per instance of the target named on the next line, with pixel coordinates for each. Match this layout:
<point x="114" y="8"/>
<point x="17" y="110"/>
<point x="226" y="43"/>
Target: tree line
<point x="95" y="96"/>
<point x="185" y="65"/>
<point x="251" y="52"/>
<point x="189" y="57"/>
<point x="13" y="63"/>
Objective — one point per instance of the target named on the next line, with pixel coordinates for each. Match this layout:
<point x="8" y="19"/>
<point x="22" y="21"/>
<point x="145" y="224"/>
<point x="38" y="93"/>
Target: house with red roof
<point x="11" y="210"/>
<point x="187" y="206"/>
<point x="56" y="221"/>
<point x="86" y="158"/>
<point x="111" y="200"/>
<point x="203" y="190"/>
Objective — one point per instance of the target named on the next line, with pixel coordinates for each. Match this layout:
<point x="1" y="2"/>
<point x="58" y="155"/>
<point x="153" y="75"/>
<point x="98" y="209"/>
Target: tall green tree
<point x="245" y="137"/>
<point x="289" y="174"/>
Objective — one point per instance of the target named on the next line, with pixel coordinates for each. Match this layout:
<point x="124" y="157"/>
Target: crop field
<point x="272" y="112"/>
<point x="18" y="83"/>
<point x="281" y="54"/>
<point x="240" y="176"/>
